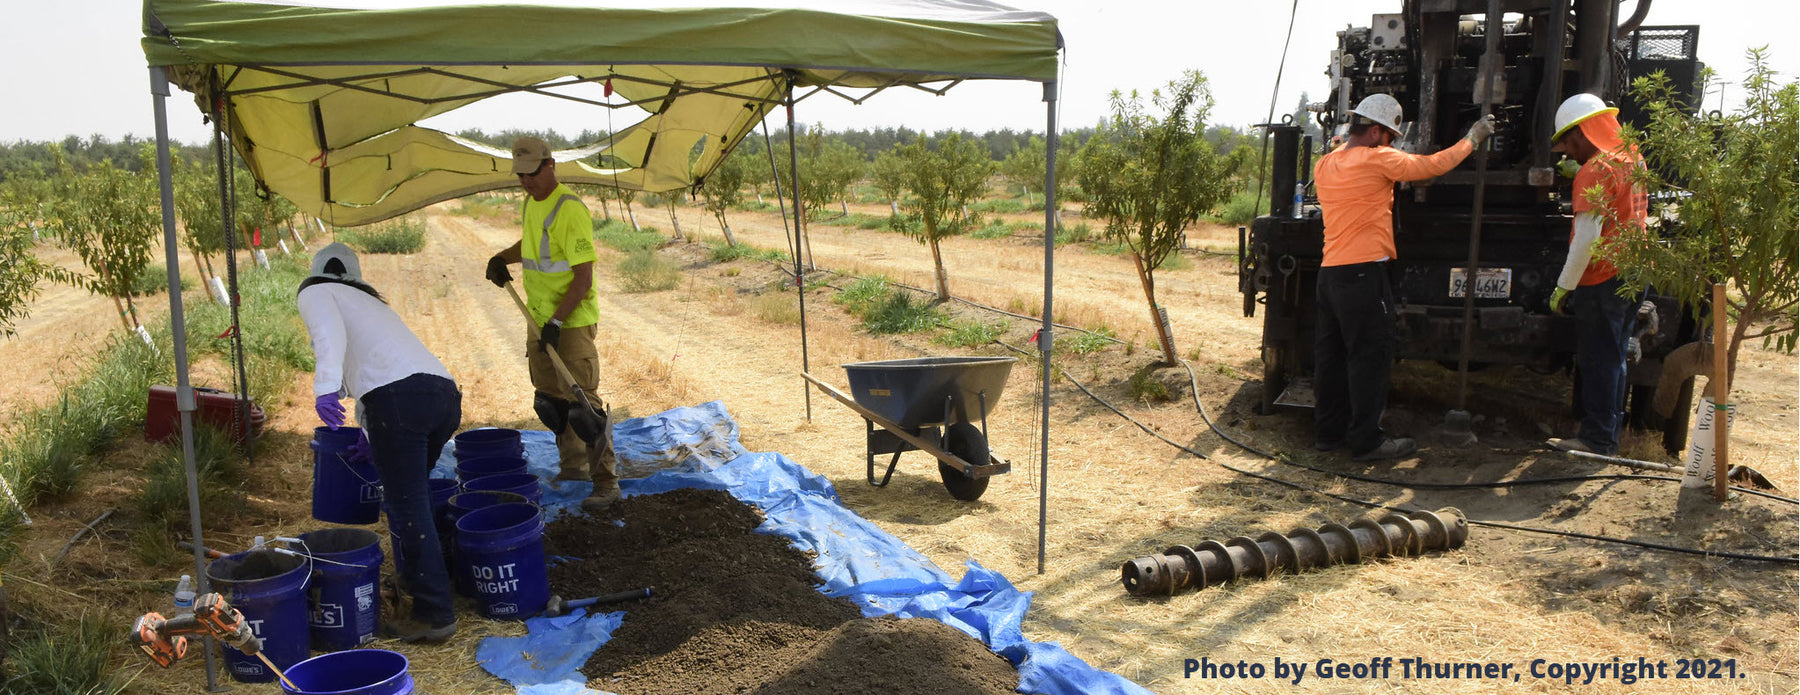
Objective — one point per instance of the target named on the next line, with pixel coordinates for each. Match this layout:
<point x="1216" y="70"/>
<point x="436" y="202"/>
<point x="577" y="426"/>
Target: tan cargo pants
<point x="576" y="347"/>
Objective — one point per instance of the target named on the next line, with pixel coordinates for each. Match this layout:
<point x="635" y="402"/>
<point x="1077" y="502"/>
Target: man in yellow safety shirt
<point x="557" y="254"/>
<point x="1354" y="341"/>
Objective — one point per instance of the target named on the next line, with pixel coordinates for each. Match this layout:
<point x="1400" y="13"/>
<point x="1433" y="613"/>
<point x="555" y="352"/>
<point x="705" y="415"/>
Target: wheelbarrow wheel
<point x="969" y="444"/>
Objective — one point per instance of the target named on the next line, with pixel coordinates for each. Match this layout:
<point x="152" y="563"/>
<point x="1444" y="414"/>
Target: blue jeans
<point x="1603" y="326"/>
<point x="1353" y="353"/>
<point x="408" y="423"/>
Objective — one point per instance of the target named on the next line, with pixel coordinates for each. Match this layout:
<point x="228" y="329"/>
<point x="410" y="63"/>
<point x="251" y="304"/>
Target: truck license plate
<point x="1490" y="283"/>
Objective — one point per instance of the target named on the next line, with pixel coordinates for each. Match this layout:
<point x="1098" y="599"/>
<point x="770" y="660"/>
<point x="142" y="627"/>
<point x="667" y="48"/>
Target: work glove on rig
<point x="1481" y="130"/>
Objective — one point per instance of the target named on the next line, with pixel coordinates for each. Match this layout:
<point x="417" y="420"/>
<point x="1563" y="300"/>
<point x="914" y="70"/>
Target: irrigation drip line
<point x="1193" y="382"/>
<point x="1193" y="379"/>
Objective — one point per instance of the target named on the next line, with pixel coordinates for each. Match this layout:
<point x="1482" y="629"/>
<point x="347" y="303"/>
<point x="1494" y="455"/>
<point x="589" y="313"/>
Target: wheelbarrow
<point x="904" y="402"/>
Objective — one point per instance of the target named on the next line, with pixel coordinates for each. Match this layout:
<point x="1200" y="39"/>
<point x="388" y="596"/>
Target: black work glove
<point x="548" y="335"/>
<point x="497" y="272"/>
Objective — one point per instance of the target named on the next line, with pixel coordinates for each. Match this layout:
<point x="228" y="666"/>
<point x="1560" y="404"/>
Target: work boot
<point x="410" y="631"/>
<point x="1390" y="448"/>
<point x="603" y="497"/>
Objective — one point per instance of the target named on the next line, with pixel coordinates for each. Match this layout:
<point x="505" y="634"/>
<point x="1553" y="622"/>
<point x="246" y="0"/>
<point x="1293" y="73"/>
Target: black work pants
<point x="408" y="423"/>
<point x="1353" y="354"/>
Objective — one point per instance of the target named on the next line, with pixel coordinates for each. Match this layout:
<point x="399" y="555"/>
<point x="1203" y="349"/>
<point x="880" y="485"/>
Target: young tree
<point x="942" y="182"/>
<point x="1149" y="175"/>
<point x="828" y="167"/>
<point x="1024" y="168"/>
<point x="889" y="173"/>
<point x="111" y="218"/>
<point x="1730" y="182"/>
<point x="723" y="189"/>
<point x="21" y="199"/>
<point x="197" y="204"/>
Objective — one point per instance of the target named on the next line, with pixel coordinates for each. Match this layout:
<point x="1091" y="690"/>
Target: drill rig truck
<point x="1428" y="56"/>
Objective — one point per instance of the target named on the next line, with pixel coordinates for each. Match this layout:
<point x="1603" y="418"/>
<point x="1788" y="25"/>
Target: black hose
<point x="1194" y="388"/>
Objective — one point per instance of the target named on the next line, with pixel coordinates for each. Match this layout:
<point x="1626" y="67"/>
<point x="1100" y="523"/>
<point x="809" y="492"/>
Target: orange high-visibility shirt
<point x="1356" y="195"/>
<point x="1610" y="172"/>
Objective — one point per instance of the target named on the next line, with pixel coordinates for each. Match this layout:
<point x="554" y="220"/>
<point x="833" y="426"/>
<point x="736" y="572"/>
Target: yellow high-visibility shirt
<point x="558" y="236"/>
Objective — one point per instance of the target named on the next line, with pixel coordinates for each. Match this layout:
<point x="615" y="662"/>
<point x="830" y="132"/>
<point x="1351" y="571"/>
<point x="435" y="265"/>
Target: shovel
<point x="591" y="421"/>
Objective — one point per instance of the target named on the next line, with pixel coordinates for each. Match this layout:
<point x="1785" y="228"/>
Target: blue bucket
<point x="454" y="509"/>
<point x="346" y="590"/>
<point x="356" y="672"/>
<point x="471" y="468"/>
<point x="442" y="489"/>
<point x="343" y="492"/>
<point x="269" y="588"/>
<point x="488" y="441"/>
<point x="502" y="551"/>
<point x="522" y="484"/>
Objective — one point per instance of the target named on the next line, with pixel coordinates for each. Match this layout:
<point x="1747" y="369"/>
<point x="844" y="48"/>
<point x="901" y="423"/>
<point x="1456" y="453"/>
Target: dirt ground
<point x="1113" y="492"/>
<point x="735" y="611"/>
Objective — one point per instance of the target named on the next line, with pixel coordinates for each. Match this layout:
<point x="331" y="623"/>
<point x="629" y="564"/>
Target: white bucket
<point x="1699" y="471"/>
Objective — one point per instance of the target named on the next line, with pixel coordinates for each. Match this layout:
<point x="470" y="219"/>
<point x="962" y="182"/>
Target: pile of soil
<point x="734" y="611"/>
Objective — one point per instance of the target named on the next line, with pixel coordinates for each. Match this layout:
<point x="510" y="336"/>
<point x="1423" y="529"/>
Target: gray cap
<point x="346" y="267"/>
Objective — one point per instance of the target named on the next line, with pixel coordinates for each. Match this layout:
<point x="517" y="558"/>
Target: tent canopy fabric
<point x="323" y="101"/>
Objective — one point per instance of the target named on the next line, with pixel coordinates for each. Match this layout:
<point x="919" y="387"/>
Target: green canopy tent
<point x="322" y="100"/>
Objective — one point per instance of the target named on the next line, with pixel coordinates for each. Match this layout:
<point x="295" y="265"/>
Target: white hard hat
<point x="1576" y="109"/>
<point x="1381" y="109"/>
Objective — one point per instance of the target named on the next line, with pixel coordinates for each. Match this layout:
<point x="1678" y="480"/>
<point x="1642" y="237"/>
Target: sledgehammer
<point x="558" y="606"/>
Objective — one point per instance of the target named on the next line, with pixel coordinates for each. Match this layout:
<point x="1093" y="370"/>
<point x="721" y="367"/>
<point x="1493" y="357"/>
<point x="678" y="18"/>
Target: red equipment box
<point x="212" y="406"/>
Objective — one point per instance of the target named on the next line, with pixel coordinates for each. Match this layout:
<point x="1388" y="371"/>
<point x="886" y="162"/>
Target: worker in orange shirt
<point x="1354" y="348"/>
<point x="1587" y="131"/>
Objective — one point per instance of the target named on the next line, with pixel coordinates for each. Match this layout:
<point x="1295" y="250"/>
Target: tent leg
<point x="799" y="217"/>
<point x="1044" y="337"/>
<point x="184" y="393"/>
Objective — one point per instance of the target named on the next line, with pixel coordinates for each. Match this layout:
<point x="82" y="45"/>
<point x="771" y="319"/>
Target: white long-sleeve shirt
<point x="359" y="343"/>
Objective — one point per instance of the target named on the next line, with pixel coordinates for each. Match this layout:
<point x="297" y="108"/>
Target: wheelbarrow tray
<point x="913" y="392"/>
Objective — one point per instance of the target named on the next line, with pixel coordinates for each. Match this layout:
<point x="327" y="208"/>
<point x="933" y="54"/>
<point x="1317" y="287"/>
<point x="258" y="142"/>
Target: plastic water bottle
<point x="1299" y="197"/>
<point x="184" y="594"/>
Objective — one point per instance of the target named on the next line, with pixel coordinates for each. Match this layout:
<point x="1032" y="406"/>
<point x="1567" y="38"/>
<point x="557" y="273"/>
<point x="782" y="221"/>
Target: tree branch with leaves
<point x="1149" y="173"/>
<point x="943" y="181"/>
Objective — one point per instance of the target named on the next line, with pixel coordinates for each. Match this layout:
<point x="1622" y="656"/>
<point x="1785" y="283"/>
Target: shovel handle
<point x="562" y="370"/>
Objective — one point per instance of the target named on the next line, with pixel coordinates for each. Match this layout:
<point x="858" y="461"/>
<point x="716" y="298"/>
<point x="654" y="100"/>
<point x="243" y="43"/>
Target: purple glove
<point x="359" y="452"/>
<point x="330" y="411"/>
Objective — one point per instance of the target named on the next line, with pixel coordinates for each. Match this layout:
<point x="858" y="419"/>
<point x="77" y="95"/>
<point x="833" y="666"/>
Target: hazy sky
<point x="77" y="68"/>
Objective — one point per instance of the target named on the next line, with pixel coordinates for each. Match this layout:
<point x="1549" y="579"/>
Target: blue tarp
<point x="697" y="448"/>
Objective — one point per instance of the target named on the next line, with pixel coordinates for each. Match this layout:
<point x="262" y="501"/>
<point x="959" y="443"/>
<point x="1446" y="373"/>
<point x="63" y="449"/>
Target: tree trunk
<point x="727" y="228"/>
<point x="1163" y="333"/>
<point x="893" y="208"/>
<point x="605" y="209"/>
<point x="845" y="206"/>
<point x="633" y="217"/>
<point x="199" y="267"/>
<point x="675" y="223"/>
<point x="943" y="283"/>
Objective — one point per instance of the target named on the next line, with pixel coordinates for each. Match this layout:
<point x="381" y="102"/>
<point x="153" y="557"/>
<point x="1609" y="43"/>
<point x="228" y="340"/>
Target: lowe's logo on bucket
<point x="371" y="493"/>
<point x="503" y="608"/>
<point x="328" y="615"/>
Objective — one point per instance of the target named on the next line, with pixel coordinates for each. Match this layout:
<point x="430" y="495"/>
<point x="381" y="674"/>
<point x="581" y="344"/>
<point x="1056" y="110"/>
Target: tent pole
<point x="1044" y="337"/>
<point x="799" y="217"/>
<point x="780" y="197"/>
<point x="184" y="393"/>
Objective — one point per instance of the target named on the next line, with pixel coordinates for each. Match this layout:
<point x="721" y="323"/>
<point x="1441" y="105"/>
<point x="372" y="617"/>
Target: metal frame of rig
<point x="1427" y="57"/>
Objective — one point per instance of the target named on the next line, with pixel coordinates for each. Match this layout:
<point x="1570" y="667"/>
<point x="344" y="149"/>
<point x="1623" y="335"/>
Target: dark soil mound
<point x="736" y="611"/>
